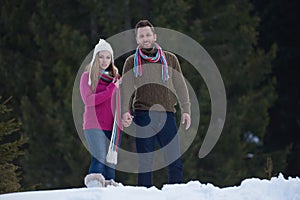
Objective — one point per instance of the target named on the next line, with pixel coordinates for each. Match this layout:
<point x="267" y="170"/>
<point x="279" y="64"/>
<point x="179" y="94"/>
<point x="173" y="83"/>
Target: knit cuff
<point x="186" y="108"/>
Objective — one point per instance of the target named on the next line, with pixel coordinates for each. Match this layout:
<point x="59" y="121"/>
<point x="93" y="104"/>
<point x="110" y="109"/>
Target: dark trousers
<point x="160" y="127"/>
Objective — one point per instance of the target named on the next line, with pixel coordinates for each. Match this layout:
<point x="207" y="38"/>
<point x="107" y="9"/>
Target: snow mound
<point x="278" y="188"/>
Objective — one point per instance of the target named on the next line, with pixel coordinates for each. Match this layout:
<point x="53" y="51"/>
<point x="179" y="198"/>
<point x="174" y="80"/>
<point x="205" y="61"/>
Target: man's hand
<point x="127" y="119"/>
<point x="186" y="118"/>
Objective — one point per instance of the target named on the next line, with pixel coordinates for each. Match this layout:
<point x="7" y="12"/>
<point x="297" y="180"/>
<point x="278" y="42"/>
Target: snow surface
<point x="278" y="188"/>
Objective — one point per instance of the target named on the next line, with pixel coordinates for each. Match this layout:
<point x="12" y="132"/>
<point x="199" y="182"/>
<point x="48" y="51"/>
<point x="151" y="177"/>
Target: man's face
<point x="145" y="38"/>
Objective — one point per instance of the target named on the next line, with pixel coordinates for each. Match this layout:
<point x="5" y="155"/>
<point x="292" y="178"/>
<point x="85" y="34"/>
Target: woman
<point x="98" y="86"/>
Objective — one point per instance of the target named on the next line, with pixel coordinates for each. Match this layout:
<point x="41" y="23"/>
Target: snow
<point x="278" y="188"/>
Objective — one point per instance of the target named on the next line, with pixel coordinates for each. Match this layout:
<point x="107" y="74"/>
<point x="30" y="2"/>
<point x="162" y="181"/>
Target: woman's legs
<point x="109" y="168"/>
<point x="98" y="141"/>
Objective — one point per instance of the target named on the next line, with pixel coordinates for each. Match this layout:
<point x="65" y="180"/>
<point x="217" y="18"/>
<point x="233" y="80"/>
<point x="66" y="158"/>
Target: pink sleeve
<point x="91" y="99"/>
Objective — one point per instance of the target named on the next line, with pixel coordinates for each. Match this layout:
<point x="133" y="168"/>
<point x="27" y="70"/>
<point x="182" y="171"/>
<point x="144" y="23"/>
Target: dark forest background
<point x="255" y="44"/>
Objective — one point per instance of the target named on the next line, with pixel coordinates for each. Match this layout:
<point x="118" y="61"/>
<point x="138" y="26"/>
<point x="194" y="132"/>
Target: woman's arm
<point x="91" y="99"/>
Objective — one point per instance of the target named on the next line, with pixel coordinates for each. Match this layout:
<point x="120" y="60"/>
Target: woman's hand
<point x="117" y="81"/>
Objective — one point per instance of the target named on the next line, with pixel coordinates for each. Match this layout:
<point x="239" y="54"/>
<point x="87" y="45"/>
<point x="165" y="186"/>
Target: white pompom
<point x="112" y="156"/>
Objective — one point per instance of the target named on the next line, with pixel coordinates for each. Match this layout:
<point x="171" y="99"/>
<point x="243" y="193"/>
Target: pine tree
<point x="10" y="150"/>
<point x="56" y="36"/>
<point x="229" y="34"/>
<point x="39" y="62"/>
<point x="278" y="22"/>
<point x="55" y="145"/>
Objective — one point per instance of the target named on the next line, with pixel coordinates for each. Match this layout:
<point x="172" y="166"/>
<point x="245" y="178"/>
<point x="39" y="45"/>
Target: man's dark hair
<point x="143" y="23"/>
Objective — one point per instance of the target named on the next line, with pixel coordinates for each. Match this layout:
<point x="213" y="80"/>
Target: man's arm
<point x="181" y="93"/>
<point x="180" y="87"/>
<point x="126" y="88"/>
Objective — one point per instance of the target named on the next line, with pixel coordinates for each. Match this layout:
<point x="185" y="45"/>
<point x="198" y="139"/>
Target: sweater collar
<point x="149" y="51"/>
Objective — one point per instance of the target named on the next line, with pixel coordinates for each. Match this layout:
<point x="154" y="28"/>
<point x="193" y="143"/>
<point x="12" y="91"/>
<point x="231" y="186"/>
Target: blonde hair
<point x="112" y="69"/>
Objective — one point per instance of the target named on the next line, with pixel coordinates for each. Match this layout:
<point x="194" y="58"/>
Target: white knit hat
<point x="101" y="46"/>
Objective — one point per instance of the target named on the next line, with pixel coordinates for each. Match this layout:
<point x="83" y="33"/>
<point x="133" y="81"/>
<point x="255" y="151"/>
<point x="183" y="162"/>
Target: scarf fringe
<point x="115" y="141"/>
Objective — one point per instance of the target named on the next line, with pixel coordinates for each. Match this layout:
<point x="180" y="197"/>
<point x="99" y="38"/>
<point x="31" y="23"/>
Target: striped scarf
<point x="115" y="140"/>
<point x="160" y="56"/>
<point x="116" y="136"/>
<point x="105" y="76"/>
<point x="117" y="132"/>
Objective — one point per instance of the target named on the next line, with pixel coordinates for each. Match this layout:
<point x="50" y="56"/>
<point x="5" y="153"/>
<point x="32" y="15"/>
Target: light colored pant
<point x="98" y="142"/>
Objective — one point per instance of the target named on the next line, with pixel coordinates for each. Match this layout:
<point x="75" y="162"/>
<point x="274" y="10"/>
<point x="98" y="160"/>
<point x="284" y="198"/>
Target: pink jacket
<point x="99" y="106"/>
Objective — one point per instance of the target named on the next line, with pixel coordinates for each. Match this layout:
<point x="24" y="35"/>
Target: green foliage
<point x="49" y="51"/>
<point x="229" y="35"/>
<point x="43" y="44"/>
<point x="283" y="132"/>
<point x="10" y="150"/>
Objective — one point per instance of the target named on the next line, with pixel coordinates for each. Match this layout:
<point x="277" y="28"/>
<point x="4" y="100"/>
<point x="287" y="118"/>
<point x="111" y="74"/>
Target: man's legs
<point x="169" y="141"/>
<point x="145" y="143"/>
<point x="165" y="131"/>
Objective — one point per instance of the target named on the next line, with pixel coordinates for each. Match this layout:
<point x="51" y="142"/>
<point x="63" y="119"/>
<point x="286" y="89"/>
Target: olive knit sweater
<point x="149" y="88"/>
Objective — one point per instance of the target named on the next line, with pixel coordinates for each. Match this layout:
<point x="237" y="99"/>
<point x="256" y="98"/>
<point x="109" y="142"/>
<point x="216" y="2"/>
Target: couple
<point x="99" y="85"/>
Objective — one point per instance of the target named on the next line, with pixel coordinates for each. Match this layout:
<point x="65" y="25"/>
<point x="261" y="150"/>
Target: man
<point x="157" y="81"/>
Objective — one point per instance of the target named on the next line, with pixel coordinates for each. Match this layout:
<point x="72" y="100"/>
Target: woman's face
<point x="104" y="59"/>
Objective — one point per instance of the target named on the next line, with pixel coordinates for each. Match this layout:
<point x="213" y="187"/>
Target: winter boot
<point x="111" y="182"/>
<point x="94" y="180"/>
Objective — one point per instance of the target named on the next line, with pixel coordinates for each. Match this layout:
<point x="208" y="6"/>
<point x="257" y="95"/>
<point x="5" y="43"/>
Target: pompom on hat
<point x="101" y="46"/>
